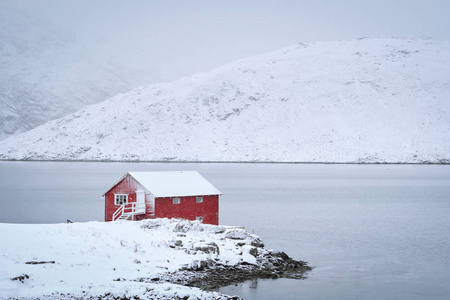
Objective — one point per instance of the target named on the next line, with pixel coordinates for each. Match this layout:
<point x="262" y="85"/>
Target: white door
<point x="140" y="202"/>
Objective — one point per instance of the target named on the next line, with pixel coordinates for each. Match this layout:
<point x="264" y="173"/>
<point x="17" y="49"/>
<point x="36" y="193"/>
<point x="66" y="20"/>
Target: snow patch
<point x="96" y="259"/>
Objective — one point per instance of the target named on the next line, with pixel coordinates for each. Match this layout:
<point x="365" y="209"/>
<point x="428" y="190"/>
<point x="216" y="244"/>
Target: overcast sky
<point x="177" y="38"/>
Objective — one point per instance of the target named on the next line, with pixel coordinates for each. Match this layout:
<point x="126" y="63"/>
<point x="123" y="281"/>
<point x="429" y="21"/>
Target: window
<point x="120" y="199"/>
<point x="176" y="200"/>
<point x="199" y="199"/>
<point x="199" y="219"/>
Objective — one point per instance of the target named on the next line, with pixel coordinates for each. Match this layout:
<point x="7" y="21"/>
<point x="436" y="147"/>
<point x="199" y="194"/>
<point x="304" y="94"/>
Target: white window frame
<point x="201" y="218"/>
<point x="199" y="199"/>
<point x="176" y="200"/>
<point x="117" y="199"/>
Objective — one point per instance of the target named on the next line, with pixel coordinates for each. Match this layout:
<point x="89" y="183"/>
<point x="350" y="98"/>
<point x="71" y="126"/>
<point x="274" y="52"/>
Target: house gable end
<point x="121" y="179"/>
<point x="130" y="190"/>
<point x="114" y="185"/>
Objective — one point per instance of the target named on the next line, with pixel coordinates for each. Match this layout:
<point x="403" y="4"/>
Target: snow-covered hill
<point x="366" y="100"/>
<point x="47" y="73"/>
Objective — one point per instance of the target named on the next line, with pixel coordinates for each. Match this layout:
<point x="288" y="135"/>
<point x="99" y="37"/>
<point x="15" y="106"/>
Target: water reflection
<point x="253" y="284"/>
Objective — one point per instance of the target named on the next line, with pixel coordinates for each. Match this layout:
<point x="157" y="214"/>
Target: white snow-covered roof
<point x="175" y="184"/>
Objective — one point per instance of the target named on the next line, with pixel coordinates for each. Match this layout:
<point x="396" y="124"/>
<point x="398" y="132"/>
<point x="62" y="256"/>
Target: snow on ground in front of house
<point x="89" y="257"/>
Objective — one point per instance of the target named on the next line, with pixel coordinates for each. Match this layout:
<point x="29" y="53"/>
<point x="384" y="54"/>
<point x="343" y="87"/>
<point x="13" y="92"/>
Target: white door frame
<point x="140" y="201"/>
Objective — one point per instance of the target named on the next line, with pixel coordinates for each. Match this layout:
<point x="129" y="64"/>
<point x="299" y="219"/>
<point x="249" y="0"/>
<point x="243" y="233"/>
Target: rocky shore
<point x="211" y="274"/>
<point x="215" y="275"/>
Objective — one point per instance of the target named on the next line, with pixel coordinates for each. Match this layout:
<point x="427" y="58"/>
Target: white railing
<point x="118" y="212"/>
<point x="129" y="209"/>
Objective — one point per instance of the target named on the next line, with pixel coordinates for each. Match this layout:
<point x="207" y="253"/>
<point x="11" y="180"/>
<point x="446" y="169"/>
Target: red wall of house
<point x="164" y="208"/>
<point x="127" y="186"/>
<point x="189" y="209"/>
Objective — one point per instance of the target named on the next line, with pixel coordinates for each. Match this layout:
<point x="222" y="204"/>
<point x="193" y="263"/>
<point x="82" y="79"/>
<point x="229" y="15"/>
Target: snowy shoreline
<point x="442" y="162"/>
<point x="157" y="259"/>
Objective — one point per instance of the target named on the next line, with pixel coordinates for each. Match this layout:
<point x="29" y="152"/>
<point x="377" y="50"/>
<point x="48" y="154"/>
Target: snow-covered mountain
<point x="366" y="100"/>
<point x="47" y="73"/>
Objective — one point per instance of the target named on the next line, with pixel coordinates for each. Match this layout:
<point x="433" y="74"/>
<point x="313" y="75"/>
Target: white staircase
<point x="129" y="211"/>
<point x="125" y="216"/>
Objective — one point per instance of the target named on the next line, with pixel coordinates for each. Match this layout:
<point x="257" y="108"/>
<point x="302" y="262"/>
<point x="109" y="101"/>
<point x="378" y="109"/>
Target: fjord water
<point x="370" y="231"/>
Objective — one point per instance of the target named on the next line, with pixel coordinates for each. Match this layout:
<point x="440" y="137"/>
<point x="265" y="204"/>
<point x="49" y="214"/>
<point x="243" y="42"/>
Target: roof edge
<point x="143" y="186"/>
<point x="219" y="193"/>
<point x="116" y="183"/>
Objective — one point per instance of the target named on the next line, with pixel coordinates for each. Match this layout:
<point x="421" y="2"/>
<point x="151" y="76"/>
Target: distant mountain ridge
<point x="373" y="100"/>
<point x="46" y="73"/>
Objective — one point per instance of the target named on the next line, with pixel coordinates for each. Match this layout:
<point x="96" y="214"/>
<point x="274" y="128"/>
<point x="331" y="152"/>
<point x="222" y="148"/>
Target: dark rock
<point x="39" y="262"/>
<point x="257" y="243"/>
<point x="254" y="252"/>
<point x="208" y="248"/>
<point x="21" y="278"/>
<point x="151" y="225"/>
<point x="282" y="255"/>
<point x="219" y="229"/>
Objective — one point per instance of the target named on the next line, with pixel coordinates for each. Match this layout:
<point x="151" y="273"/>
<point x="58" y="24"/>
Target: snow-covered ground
<point x="366" y="100"/>
<point x="96" y="258"/>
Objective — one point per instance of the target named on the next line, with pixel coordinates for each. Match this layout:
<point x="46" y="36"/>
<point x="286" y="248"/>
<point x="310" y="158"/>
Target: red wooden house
<point x="149" y="195"/>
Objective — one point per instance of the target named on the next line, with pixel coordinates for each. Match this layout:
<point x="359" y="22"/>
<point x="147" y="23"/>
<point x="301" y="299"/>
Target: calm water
<point x="371" y="231"/>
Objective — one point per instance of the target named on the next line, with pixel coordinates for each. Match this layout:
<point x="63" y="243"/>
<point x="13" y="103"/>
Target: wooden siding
<point x="127" y="186"/>
<point x="189" y="208"/>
